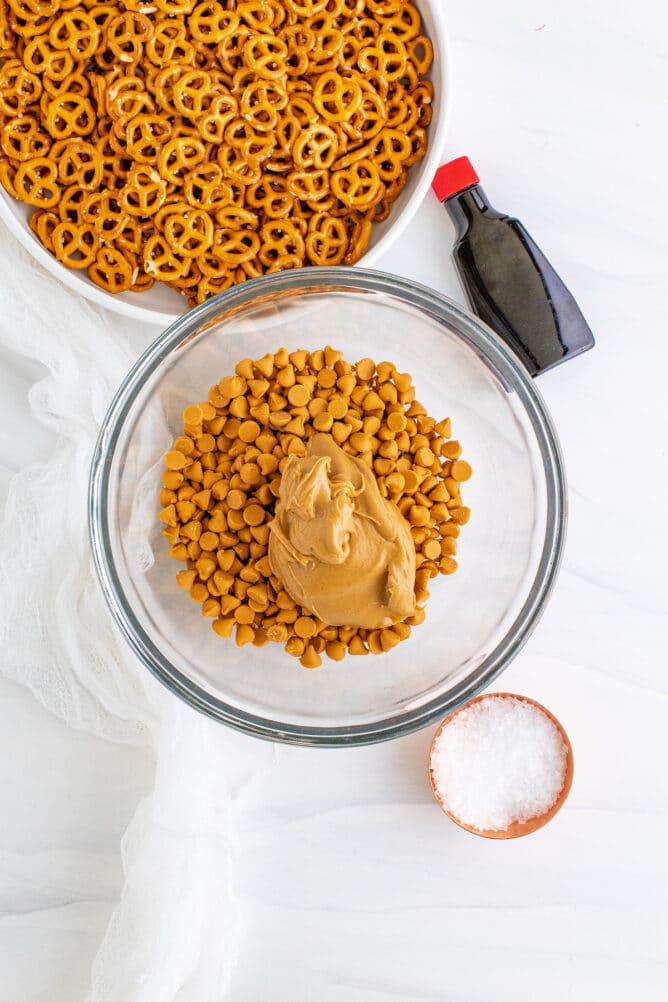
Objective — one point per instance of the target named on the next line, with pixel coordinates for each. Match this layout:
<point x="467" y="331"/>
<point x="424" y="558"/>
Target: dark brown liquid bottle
<point x="509" y="282"/>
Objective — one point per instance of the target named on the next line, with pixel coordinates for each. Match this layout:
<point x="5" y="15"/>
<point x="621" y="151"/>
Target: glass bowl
<point x="477" y="619"/>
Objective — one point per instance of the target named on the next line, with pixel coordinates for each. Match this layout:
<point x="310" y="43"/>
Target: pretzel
<point x="266" y="56"/>
<point x="260" y="15"/>
<point x="169" y="44"/>
<point x="178" y="156"/>
<point x="212" y="124"/>
<point x="159" y="260"/>
<point x="388" y="57"/>
<point x="271" y="197"/>
<point x="75" y="245"/>
<point x="337" y="97"/>
<point x="327" y="239"/>
<point x="36" y="182"/>
<point x="300" y="40"/>
<point x="125" y="35"/>
<point x="77" y="32"/>
<point x="358" y="185"/>
<point x="131" y="239"/>
<point x="205" y="142"/>
<point x="144" y="192"/>
<point x="260" y="105"/>
<point x="79" y="163"/>
<point x="22" y="139"/>
<point x="192" y="92"/>
<point x="43" y="223"/>
<point x="104" y="211"/>
<point x="32" y="10"/>
<point x="316" y="147"/>
<point x="235" y="247"/>
<point x="210" y="22"/>
<point x="70" y="115"/>
<point x="41" y="58"/>
<point x="391" y="150"/>
<point x="309" y="185"/>
<point x="189" y="231"/>
<point x="19" y="88"/>
<point x="325" y="55"/>
<point x="111" y="270"/>
<point x="72" y="203"/>
<point x="205" y="188"/>
<point x="359" y="240"/>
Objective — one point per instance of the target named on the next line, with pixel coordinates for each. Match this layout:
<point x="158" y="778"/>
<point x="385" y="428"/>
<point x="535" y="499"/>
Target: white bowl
<point x="162" y="305"/>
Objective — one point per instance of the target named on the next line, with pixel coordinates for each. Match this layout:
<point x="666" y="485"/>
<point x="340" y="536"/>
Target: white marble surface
<point x="356" y="887"/>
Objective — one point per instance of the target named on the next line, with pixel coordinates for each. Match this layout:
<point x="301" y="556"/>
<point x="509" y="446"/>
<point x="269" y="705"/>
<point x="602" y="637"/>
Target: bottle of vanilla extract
<point x="508" y="281"/>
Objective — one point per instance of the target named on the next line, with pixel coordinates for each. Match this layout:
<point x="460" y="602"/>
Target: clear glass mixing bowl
<point x="477" y="619"/>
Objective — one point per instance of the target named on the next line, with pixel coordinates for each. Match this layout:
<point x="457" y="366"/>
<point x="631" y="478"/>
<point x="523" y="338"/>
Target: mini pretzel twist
<point x="42" y="222"/>
<point x="111" y="270"/>
<point x="169" y="45"/>
<point x="36" y="182"/>
<point x="327" y="239"/>
<point x="41" y="58"/>
<point x="266" y="55"/>
<point x="337" y="97"/>
<point x="317" y="147"/>
<point x="80" y="163"/>
<point x="144" y="193"/>
<point x="70" y="115"/>
<point x="75" y="245"/>
<point x="22" y="139"/>
<point x="76" y="32"/>
<point x="359" y="185"/>
<point x="19" y="88"/>
<point x="126" y="34"/>
<point x="189" y="231"/>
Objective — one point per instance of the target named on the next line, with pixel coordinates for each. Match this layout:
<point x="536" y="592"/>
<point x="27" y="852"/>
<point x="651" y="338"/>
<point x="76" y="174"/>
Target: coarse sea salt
<point x="499" y="761"/>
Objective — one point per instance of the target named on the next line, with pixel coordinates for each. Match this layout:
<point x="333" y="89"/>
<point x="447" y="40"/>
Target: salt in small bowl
<point x="517" y="828"/>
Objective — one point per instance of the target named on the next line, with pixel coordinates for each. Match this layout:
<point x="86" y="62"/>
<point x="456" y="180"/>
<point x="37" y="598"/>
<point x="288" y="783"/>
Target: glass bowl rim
<point x="487" y="344"/>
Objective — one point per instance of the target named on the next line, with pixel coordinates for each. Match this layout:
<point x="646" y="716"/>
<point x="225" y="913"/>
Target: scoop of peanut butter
<point x="340" y="549"/>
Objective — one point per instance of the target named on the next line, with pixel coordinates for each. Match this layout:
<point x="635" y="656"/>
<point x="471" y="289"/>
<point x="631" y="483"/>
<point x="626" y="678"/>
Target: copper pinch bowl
<point x="517" y="828"/>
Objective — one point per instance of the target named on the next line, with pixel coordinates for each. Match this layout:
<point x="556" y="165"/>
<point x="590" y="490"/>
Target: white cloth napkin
<point x="176" y="929"/>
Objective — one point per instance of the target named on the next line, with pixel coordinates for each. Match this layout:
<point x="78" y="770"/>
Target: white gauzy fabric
<point x="175" y="932"/>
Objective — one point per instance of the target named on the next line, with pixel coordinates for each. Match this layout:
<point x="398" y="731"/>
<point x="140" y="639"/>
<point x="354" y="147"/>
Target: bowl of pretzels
<point x="154" y="153"/>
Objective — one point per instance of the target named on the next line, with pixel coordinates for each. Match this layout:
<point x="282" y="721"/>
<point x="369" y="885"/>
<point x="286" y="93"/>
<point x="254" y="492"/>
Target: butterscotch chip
<point x="236" y="499"/>
<point x="327" y="378"/>
<point x="245" y="635"/>
<point x="175" y="460"/>
<point x="365" y="368"/>
<point x="432" y="549"/>
<point x="249" y="431"/>
<point x="346" y="384"/>
<point x="310" y="659"/>
<point x="193" y="415"/>
<point x="253" y="514"/>
<point x="186" y="579"/>
<point x="305" y="627"/>
<point x="323" y="422"/>
<point x="224" y="627"/>
<point x="298" y="395"/>
<point x="448" y="565"/>
<point x="208" y="541"/>
<point x="335" y="650"/>
<point x="461" y="470"/>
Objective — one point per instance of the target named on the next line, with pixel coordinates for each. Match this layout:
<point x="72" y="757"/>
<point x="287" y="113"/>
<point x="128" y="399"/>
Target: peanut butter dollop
<point x="341" y="550"/>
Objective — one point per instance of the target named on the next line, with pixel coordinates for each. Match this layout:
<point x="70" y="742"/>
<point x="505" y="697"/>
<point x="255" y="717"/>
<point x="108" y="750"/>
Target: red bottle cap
<point x="453" y="177"/>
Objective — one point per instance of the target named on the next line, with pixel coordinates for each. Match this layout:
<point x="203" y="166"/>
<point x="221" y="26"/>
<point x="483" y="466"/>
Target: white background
<point x="357" y="887"/>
